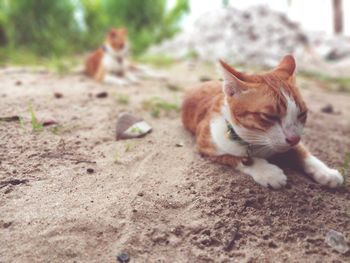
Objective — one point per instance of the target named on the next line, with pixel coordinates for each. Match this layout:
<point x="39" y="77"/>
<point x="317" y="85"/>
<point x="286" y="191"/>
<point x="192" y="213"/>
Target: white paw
<point x="123" y="83"/>
<point x="329" y="177"/>
<point x="272" y="176"/>
<point x="323" y="174"/>
<point x="131" y="79"/>
<point x="134" y="81"/>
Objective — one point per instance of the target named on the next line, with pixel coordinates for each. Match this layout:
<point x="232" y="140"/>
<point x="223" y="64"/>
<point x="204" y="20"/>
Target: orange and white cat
<point x="109" y="63"/>
<point x="249" y="118"/>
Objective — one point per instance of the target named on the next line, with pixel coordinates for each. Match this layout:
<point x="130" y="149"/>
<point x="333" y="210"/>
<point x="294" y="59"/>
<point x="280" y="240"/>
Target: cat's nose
<point x="293" y="140"/>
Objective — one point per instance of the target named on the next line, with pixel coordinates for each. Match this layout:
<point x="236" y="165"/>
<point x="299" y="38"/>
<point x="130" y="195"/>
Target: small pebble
<point x="130" y="126"/>
<point x="337" y="241"/>
<point x="90" y="170"/>
<point x="123" y="257"/>
<point x="18" y="83"/>
<point x="102" y="94"/>
<point x="10" y="118"/>
<point x="49" y="122"/>
<point x="246" y="191"/>
<point x="7" y="224"/>
<point x="247" y="161"/>
<point x="204" y="79"/>
<point x="173" y="87"/>
<point x="328" y="109"/>
<point x="180" y="144"/>
<point x="58" y="95"/>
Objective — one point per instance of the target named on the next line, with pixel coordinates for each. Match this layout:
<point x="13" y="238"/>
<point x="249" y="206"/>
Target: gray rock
<point x="337" y="241"/>
<point x="258" y="36"/>
<point x="130" y="126"/>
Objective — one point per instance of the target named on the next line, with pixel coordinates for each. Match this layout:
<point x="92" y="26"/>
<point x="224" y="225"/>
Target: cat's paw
<point x="273" y="176"/>
<point x="329" y="177"/>
<point x="322" y="174"/>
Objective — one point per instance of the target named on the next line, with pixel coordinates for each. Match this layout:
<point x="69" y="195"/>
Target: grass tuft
<point x="59" y="129"/>
<point x="341" y="84"/>
<point x="156" y="106"/>
<point x="128" y="147"/>
<point x="36" y="125"/>
<point x="122" y="99"/>
<point x="159" y="61"/>
<point x="117" y="157"/>
<point x="23" y="57"/>
<point x="173" y="87"/>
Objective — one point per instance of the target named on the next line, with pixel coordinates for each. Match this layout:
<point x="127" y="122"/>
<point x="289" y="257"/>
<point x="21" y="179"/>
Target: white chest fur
<point x="112" y="64"/>
<point x="224" y="145"/>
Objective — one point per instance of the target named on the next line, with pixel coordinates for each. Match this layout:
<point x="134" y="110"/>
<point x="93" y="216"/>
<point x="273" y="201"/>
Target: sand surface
<point x="74" y="194"/>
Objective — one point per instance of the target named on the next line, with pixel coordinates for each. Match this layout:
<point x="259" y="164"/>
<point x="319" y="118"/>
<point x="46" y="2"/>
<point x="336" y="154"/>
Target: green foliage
<point x="3" y="38"/>
<point x="46" y="27"/>
<point x="56" y="28"/>
<point x="337" y="83"/>
<point x="157" y="105"/>
<point x="122" y="99"/>
<point x="159" y="61"/>
<point x="36" y="125"/>
<point x="225" y="3"/>
<point x="192" y="54"/>
<point x="17" y="56"/>
<point x="96" y="23"/>
<point x="24" y="56"/>
<point x="147" y="21"/>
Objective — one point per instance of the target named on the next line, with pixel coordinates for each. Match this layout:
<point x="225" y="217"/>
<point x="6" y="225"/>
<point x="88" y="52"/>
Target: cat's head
<point x="116" y="39"/>
<point x="265" y="109"/>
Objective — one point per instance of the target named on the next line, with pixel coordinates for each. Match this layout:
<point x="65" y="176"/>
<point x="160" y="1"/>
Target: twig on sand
<point x="234" y="237"/>
<point x="63" y="157"/>
<point x="13" y="182"/>
<point x="10" y="118"/>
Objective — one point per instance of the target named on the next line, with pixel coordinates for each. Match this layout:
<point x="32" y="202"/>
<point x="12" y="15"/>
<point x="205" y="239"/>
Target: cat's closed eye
<point x="269" y="117"/>
<point x="302" y="116"/>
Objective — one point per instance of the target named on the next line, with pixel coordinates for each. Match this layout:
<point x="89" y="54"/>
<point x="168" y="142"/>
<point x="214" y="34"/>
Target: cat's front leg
<point x="265" y="173"/>
<point x="145" y="72"/>
<point x="321" y="173"/>
<point x="318" y="170"/>
<point x="132" y="78"/>
<point x="111" y="79"/>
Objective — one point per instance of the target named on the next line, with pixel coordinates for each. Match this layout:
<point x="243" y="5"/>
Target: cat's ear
<point x="123" y="31"/>
<point x="232" y="84"/>
<point x="112" y="32"/>
<point x="287" y="65"/>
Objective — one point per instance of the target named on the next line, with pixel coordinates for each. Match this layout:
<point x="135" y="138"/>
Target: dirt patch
<point x="72" y="193"/>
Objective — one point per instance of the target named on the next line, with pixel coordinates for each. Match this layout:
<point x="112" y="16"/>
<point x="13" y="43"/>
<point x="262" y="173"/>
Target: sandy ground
<point x="149" y="197"/>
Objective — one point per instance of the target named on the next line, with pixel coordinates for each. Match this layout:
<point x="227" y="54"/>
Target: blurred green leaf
<point x="57" y="28"/>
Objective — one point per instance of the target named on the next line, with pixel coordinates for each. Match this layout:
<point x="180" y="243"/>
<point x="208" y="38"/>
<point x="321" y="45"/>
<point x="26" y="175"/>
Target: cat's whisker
<point x="257" y="140"/>
<point x="263" y="150"/>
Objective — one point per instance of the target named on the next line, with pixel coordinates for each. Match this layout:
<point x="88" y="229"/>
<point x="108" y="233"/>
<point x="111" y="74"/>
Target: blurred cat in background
<point x="110" y="64"/>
